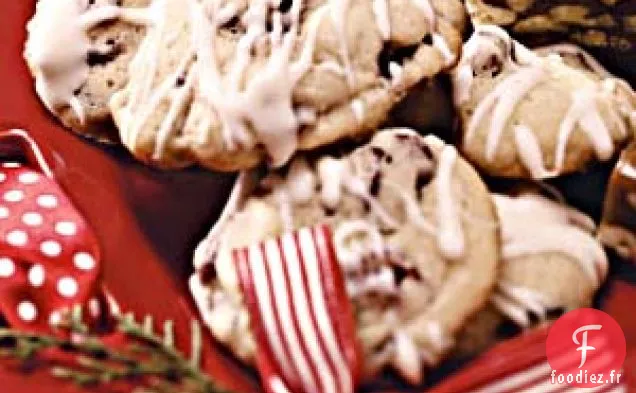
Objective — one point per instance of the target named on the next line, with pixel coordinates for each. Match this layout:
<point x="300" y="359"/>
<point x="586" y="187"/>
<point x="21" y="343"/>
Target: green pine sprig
<point x="150" y="359"/>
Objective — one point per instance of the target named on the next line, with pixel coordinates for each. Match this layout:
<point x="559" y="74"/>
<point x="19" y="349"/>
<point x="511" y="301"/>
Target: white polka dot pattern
<point x="84" y="261"/>
<point x="56" y="268"/>
<point x="7" y="267"/>
<point x="51" y="248"/>
<point x="66" y="228"/>
<point x="28" y="178"/>
<point x="14" y="196"/>
<point x="32" y="219"/>
<point x="17" y="238"/>
<point x="37" y="276"/>
<point x="27" y="311"/>
<point x="47" y="201"/>
<point x="67" y="287"/>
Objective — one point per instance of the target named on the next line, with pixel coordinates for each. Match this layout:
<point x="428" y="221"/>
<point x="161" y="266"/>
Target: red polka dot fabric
<point x="49" y="256"/>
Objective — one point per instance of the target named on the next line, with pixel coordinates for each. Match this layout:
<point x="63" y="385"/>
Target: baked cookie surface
<point x="413" y="228"/>
<point x="261" y="80"/>
<point x="604" y="27"/>
<point x="79" y="52"/>
<point x="551" y="263"/>
<point x="534" y="115"/>
<point x="230" y="84"/>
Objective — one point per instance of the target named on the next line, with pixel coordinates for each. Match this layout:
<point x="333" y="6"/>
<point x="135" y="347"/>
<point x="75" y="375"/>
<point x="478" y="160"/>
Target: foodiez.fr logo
<point x="586" y="348"/>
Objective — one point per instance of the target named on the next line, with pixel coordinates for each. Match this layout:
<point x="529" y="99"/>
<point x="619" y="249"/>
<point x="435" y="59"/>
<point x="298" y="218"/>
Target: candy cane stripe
<point x="293" y="252"/>
<point x="328" y="338"/>
<point x="299" y="349"/>
<point x="257" y="269"/>
<point x="287" y="315"/>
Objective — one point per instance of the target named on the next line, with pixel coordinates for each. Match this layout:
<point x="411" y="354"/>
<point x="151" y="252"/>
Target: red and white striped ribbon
<point x="300" y="313"/>
<point x="520" y="366"/>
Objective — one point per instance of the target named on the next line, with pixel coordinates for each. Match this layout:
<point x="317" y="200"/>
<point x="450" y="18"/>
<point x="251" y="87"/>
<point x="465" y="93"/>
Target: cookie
<point x="551" y="263"/>
<point x="603" y="27"/>
<point x="232" y="84"/>
<point x="415" y="234"/>
<point x="78" y="52"/>
<point x="618" y="225"/>
<point x="527" y="115"/>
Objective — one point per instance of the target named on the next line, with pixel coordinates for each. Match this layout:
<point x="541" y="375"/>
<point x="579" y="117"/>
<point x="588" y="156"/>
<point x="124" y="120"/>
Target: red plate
<point x="148" y="223"/>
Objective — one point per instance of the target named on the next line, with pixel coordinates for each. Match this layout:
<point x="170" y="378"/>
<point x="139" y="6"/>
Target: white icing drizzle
<point x="331" y="66"/>
<point x="338" y="12"/>
<point x="583" y="113"/>
<point x="501" y="102"/>
<point x="429" y="12"/>
<point x="301" y="181"/>
<point x="531" y="225"/>
<point x="286" y="210"/>
<point x="267" y="100"/>
<point x="515" y="302"/>
<point x="437" y="341"/>
<point x="530" y="153"/>
<point x="382" y="19"/>
<point x="135" y="114"/>
<point x="381" y="281"/>
<point x="354" y="240"/>
<point x="627" y="169"/>
<point x="529" y="70"/>
<point x="396" y="71"/>
<point x="573" y="50"/>
<point x="306" y="115"/>
<point x="412" y="209"/>
<point x="486" y="41"/>
<point x="407" y="357"/>
<point x="264" y="101"/>
<point x="58" y="46"/>
<point x="250" y="109"/>
<point x="450" y="236"/>
<point x="335" y="174"/>
<point x="297" y="188"/>
<point x="357" y="106"/>
<point x="331" y="174"/>
<point x="440" y="341"/>
<point x="439" y="42"/>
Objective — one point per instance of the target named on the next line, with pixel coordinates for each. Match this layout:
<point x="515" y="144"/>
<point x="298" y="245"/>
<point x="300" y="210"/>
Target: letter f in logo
<point x="583" y="344"/>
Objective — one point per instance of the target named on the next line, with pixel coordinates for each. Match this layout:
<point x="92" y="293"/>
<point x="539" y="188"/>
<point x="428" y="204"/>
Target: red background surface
<point x="148" y="223"/>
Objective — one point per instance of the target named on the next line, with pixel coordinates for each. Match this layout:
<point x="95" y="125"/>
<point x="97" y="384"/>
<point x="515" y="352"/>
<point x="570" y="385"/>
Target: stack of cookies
<point x="311" y="100"/>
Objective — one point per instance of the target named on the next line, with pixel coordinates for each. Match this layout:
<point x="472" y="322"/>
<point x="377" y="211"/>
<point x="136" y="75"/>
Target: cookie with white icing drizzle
<point x="415" y="233"/>
<point x="78" y="52"/>
<point x="230" y="84"/>
<point x="604" y="27"/>
<point x="551" y="263"/>
<point x="531" y="115"/>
